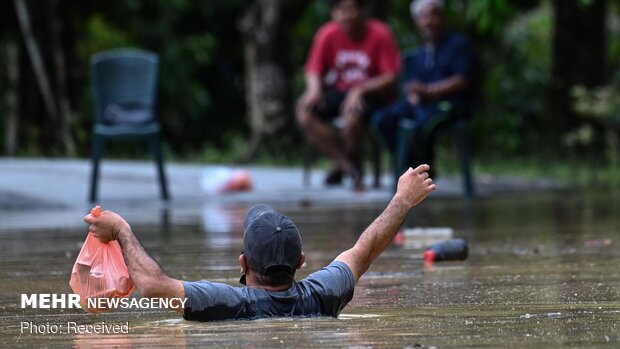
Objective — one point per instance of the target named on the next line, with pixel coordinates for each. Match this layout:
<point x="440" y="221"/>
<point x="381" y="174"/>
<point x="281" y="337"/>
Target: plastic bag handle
<point x="95" y="212"/>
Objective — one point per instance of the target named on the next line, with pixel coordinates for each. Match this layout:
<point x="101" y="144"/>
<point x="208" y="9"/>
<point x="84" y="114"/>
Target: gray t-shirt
<point x="322" y="293"/>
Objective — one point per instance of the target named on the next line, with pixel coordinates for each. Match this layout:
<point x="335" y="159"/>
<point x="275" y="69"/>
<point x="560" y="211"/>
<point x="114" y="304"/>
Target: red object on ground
<point x="448" y="250"/>
<point x="240" y="181"/>
<point x="100" y="271"/>
<point x="430" y="255"/>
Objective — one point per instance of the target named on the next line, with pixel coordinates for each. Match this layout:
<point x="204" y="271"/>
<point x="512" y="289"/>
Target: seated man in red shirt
<point x="351" y="71"/>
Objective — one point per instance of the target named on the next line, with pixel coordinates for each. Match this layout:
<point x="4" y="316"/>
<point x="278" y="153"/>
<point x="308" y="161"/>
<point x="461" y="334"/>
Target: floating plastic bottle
<point x="419" y="238"/>
<point x="449" y="250"/>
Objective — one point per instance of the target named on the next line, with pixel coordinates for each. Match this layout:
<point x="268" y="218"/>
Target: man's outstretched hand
<point x="415" y="185"/>
<point x="107" y="226"/>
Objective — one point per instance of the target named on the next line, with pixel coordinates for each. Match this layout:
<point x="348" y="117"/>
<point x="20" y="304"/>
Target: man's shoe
<point x="334" y="177"/>
<point x="358" y="179"/>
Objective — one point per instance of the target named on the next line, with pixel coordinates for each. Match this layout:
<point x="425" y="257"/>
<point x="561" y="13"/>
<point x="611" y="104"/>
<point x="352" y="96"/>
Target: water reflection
<point x="542" y="272"/>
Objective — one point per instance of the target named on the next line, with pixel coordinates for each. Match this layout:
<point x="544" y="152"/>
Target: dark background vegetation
<point x="549" y="88"/>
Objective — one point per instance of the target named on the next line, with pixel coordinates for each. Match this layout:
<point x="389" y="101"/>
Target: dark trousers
<point x="386" y="120"/>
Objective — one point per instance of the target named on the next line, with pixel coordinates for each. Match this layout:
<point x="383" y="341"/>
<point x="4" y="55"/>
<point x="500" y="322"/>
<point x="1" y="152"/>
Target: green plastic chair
<point x="415" y="144"/>
<point x="124" y="83"/>
<point x="408" y="136"/>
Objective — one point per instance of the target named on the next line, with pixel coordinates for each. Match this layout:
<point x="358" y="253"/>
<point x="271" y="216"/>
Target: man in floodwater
<point x="271" y="255"/>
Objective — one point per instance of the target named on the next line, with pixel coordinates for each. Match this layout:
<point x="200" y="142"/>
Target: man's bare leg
<point x="321" y="135"/>
<point x="352" y="133"/>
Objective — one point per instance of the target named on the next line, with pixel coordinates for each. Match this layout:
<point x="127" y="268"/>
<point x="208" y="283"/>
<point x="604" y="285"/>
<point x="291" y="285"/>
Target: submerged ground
<point x="543" y="272"/>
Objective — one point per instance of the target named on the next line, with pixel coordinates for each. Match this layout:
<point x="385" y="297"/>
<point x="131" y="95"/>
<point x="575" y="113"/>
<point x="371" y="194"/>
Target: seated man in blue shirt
<point x="271" y="255"/>
<point x="436" y="73"/>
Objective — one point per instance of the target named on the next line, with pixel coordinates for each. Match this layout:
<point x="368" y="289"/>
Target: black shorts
<point x="329" y="108"/>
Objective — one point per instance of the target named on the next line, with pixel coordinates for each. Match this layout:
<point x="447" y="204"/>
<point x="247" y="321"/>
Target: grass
<point x="572" y="170"/>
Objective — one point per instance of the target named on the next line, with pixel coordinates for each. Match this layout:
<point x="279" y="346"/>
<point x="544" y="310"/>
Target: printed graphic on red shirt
<point x="353" y="66"/>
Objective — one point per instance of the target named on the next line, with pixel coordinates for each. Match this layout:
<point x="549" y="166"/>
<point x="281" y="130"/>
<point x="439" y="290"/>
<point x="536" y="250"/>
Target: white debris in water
<point x="358" y="316"/>
<point x="529" y="316"/>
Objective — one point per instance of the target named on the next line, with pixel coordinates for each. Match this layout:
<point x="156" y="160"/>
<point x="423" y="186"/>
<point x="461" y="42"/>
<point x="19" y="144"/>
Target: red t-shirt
<point x="353" y="62"/>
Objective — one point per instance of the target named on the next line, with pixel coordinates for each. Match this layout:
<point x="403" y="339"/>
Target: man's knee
<point x="304" y="119"/>
<point x="353" y="125"/>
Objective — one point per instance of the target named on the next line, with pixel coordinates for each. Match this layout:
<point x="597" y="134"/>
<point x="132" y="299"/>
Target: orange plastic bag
<point x="100" y="271"/>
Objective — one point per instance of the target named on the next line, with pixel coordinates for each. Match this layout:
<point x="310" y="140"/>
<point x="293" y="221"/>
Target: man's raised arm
<point x="144" y="271"/>
<point x="413" y="186"/>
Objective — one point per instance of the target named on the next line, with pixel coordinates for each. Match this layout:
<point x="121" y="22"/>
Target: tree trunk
<point x="57" y="104"/>
<point x="265" y="27"/>
<point x="65" y="113"/>
<point x="10" y="98"/>
<point x="579" y="58"/>
<point x="36" y="59"/>
<point x="377" y="8"/>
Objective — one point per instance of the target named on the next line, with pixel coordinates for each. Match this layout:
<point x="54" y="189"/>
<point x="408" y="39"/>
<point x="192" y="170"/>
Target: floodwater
<point x="543" y="272"/>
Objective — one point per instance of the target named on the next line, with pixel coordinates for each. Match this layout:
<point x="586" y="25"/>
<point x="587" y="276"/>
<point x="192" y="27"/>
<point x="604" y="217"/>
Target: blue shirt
<point x="449" y="57"/>
<point x="323" y="293"/>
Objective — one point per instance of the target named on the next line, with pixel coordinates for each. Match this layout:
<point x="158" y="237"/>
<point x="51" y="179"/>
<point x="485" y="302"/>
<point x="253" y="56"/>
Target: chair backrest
<point x="124" y="85"/>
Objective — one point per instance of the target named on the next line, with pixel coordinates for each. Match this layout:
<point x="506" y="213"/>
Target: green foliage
<point x="517" y="78"/>
<point x="99" y="35"/>
<point x="314" y="16"/>
<point x="613" y="37"/>
<point x="585" y="3"/>
<point x="402" y="25"/>
<point x="489" y="16"/>
<point x="599" y="105"/>
<point x="569" y="170"/>
<point x="601" y="102"/>
<point x="201" y="95"/>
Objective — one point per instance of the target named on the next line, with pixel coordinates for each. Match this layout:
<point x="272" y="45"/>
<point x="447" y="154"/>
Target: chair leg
<point x="465" y="159"/>
<point x="376" y="162"/>
<point x="155" y="145"/>
<point x="96" y="151"/>
<point x="307" y="163"/>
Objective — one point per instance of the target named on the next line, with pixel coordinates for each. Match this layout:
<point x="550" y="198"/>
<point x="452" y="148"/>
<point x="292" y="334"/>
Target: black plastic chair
<point x="124" y="90"/>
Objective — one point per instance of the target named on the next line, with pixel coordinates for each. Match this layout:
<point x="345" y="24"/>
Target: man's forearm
<point x="382" y="230"/>
<point x="377" y="84"/>
<point x="144" y="271"/>
<point x="452" y="84"/>
<point x="313" y="82"/>
<point x="376" y="237"/>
